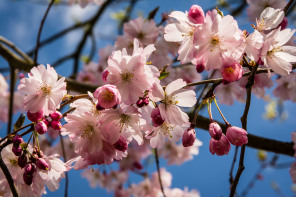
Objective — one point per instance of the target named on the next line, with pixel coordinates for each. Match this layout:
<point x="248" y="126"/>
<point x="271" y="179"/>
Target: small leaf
<point x="152" y="14"/>
<point x="163" y="73"/>
<point x="20" y="121"/>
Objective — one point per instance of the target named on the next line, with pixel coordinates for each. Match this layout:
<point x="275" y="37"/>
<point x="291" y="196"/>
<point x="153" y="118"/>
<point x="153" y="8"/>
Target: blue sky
<point x="19" y="22"/>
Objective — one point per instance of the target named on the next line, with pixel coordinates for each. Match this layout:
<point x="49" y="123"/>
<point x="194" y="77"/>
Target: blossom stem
<point x="158" y="171"/>
<point x="196" y="113"/>
<point x="10" y="112"/>
<point x="8" y="177"/>
<point x="209" y="109"/>
<point x="226" y="122"/>
<point x="66" y="173"/>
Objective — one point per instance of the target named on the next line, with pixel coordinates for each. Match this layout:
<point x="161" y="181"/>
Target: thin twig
<point x="40" y="30"/>
<point x="232" y="165"/>
<point x="158" y="171"/>
<point x="74" y="98"/>
<point x="241" y="166"/>
<point x="8" y="177"/>
<point x="288" y="6"/>
<point x="66" y="173"/>
<point x="12" y="84"/>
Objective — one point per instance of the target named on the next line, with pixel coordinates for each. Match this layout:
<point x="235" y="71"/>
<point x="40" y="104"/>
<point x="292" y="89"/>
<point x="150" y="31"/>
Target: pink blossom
<point x="215" y="130"/>
<point x="286" y="89"/>
<point x="181" y="31"/>
<point x="188" y="137"/>
<point x="236" y="135"/>
<point x="275" y="54"/>
<point x="231" y="72"/>
<point x="43" y="90"/>
<point x="173" y="96"/>
<point x="156" y="117"/>
<point x="196" y="14"/>
<point x="270" y="18"/>
<point x="254" y="43"/>
<point x="218" y="38"/>
<point x="34" y="117"/>
<point x="108" y="96"/>
<point x="227" y="94"/>
<point x="220" y="147"/>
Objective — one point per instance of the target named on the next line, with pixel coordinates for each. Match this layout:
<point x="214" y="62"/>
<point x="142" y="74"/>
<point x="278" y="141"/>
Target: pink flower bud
<point x="137" y="165"/>
<point x="40" y="127"/>
<point x="220" y="147"/>
<point x="196" y="14"/>
<point x="237" y="136"/>
<point x="30" y="168"/>
<point x="188" y="137"/>
<point x="17" y="150"/>
<point x="46" y="122"/>
<point x="215" y="130"/>
<point x="108" y="96"/>
<point x="105" y="75"/>
<point x="41" y="164"/>
<point x="56" y="115"/>
<point x="232" y="72"/>
<point x="28" y="178"/>
<point x="17" y="140"/>
<point x="200" y="68"/>
<point x="22" y="160"/>
<point x="56" y="125"/>
<point x="35" y="117"/>
<point x="156" y="117"/>
<point x="121" y="144"/>
<point x="21" y="75"/>
<point x="142" y="102"/>
<point x="284" y="23"/>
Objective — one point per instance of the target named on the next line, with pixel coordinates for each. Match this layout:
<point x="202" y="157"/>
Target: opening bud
<point x="188" y="137"/>
<point x="22" y="160"/>
<point x="215" y="130"/>
<point x="236" y="135"/>
<point x="56" y="116"/>
<point x="17" y="150"/>
<point x="56" y="125"/>
<point x="108" y="96"/>
<point x="40" y="127"/>
<point x="35" y="117"/>
<point x="30" y="168"/>
<point x="156" y="117"/>
<point x="232" y="72"/>
<point x="196" y="14"/>
<point x="121" y="144"/>
<point x="17" y="140"/>
<point x="220" y="147"/>
<point x="41" y="164"/>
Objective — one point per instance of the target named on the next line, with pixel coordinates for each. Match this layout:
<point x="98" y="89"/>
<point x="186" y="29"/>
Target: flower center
<point x="13" y="162"/>
<point x="167" y="129"/>
<point x="88" y="131"/>
<point x="214" y="41"/>
<point x="108" y="95"/>
<point x="126" y="76"/>
<point x="170" y="100"/>
<point x="46" y="90"/>
<point x="229" y="70"/>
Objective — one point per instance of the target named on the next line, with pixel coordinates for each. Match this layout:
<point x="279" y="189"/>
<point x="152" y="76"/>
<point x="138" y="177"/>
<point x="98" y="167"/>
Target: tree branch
<point x="158" y="172"/>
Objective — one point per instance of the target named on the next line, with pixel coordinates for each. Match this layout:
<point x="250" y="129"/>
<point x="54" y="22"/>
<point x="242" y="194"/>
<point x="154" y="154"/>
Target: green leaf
<point x="20" y="121"/>
<point x="163" y="75"/>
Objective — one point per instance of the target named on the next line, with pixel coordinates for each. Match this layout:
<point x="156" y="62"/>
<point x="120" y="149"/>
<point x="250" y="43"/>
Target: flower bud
<point x="220" y="147"/>
<point x="28" y="178"/>
<point x="35" y="117"/>
<point x="284" y="23"/>
<point x="46" y="122"/>
<point x="215" y="130"/>
<point x="17" y="140"/>
<point x="188" y="137"/>
<point x="121" y="144"/>
<point x="17" y="150"/>
<point x="30" y="168"/>
<point x="108" y="96"/>
<point x="156" y="117"/>
<point x="142" y="102"/>
<point x="40" y="127"/>
<point x="105" y="75"/>
<point x="232" y="72"/>
<point x="200" y="67"/>
<point x="56" y="116"/>
<point x="22" y="160"/>
<point x="41" y="164"/>
<point x="196" y="14"/>
<point x="56" y="125"/>
<point x="137" y="165"/>
<point x="237" y="136"/>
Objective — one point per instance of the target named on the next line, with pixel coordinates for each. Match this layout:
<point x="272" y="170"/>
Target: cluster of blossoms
<point x="134" y="107"/>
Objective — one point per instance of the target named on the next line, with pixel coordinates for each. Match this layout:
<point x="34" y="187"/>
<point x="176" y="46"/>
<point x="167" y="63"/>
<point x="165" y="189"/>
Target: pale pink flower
<point x="43" y="90"/>
<point x="256" y="7"/>
<point x="143" y="30"/>
<point x="3" y="85"/>
<point x="286" y="88"/>
<point x="270" y="18"/>
<point x="181" y="31"/>
<point x="91" y="73"/>
<point x="254" y="43"/>
<point x="275" y="54"/>
<point x="166" y="178"/>
<point x="158" y="135"/>
<point x="231" y="71"/>
<point x="145" y="188"/>
<point x="227" y="94"/>
<point x="173" y="96"/>
<point x="176" y="192"/>
<point x="104" y="54"/>
<point x="218" y="38"/>
<point x="130" y="74"/>
<point x="108" y="96"/>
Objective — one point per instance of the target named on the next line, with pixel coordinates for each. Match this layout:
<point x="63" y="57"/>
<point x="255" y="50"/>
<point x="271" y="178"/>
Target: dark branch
<point x="158" y="172"/>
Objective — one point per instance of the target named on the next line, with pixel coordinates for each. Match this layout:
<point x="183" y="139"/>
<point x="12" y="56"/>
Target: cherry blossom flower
<point x="172" y="97"/>
<point x="286" y="89"/>
<point x="218" y="38"/>
<point x="275" y="54"/>
<point x="254" y="43"/>
<point x="269" y="19"/>
<point x="43" y="90"/>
